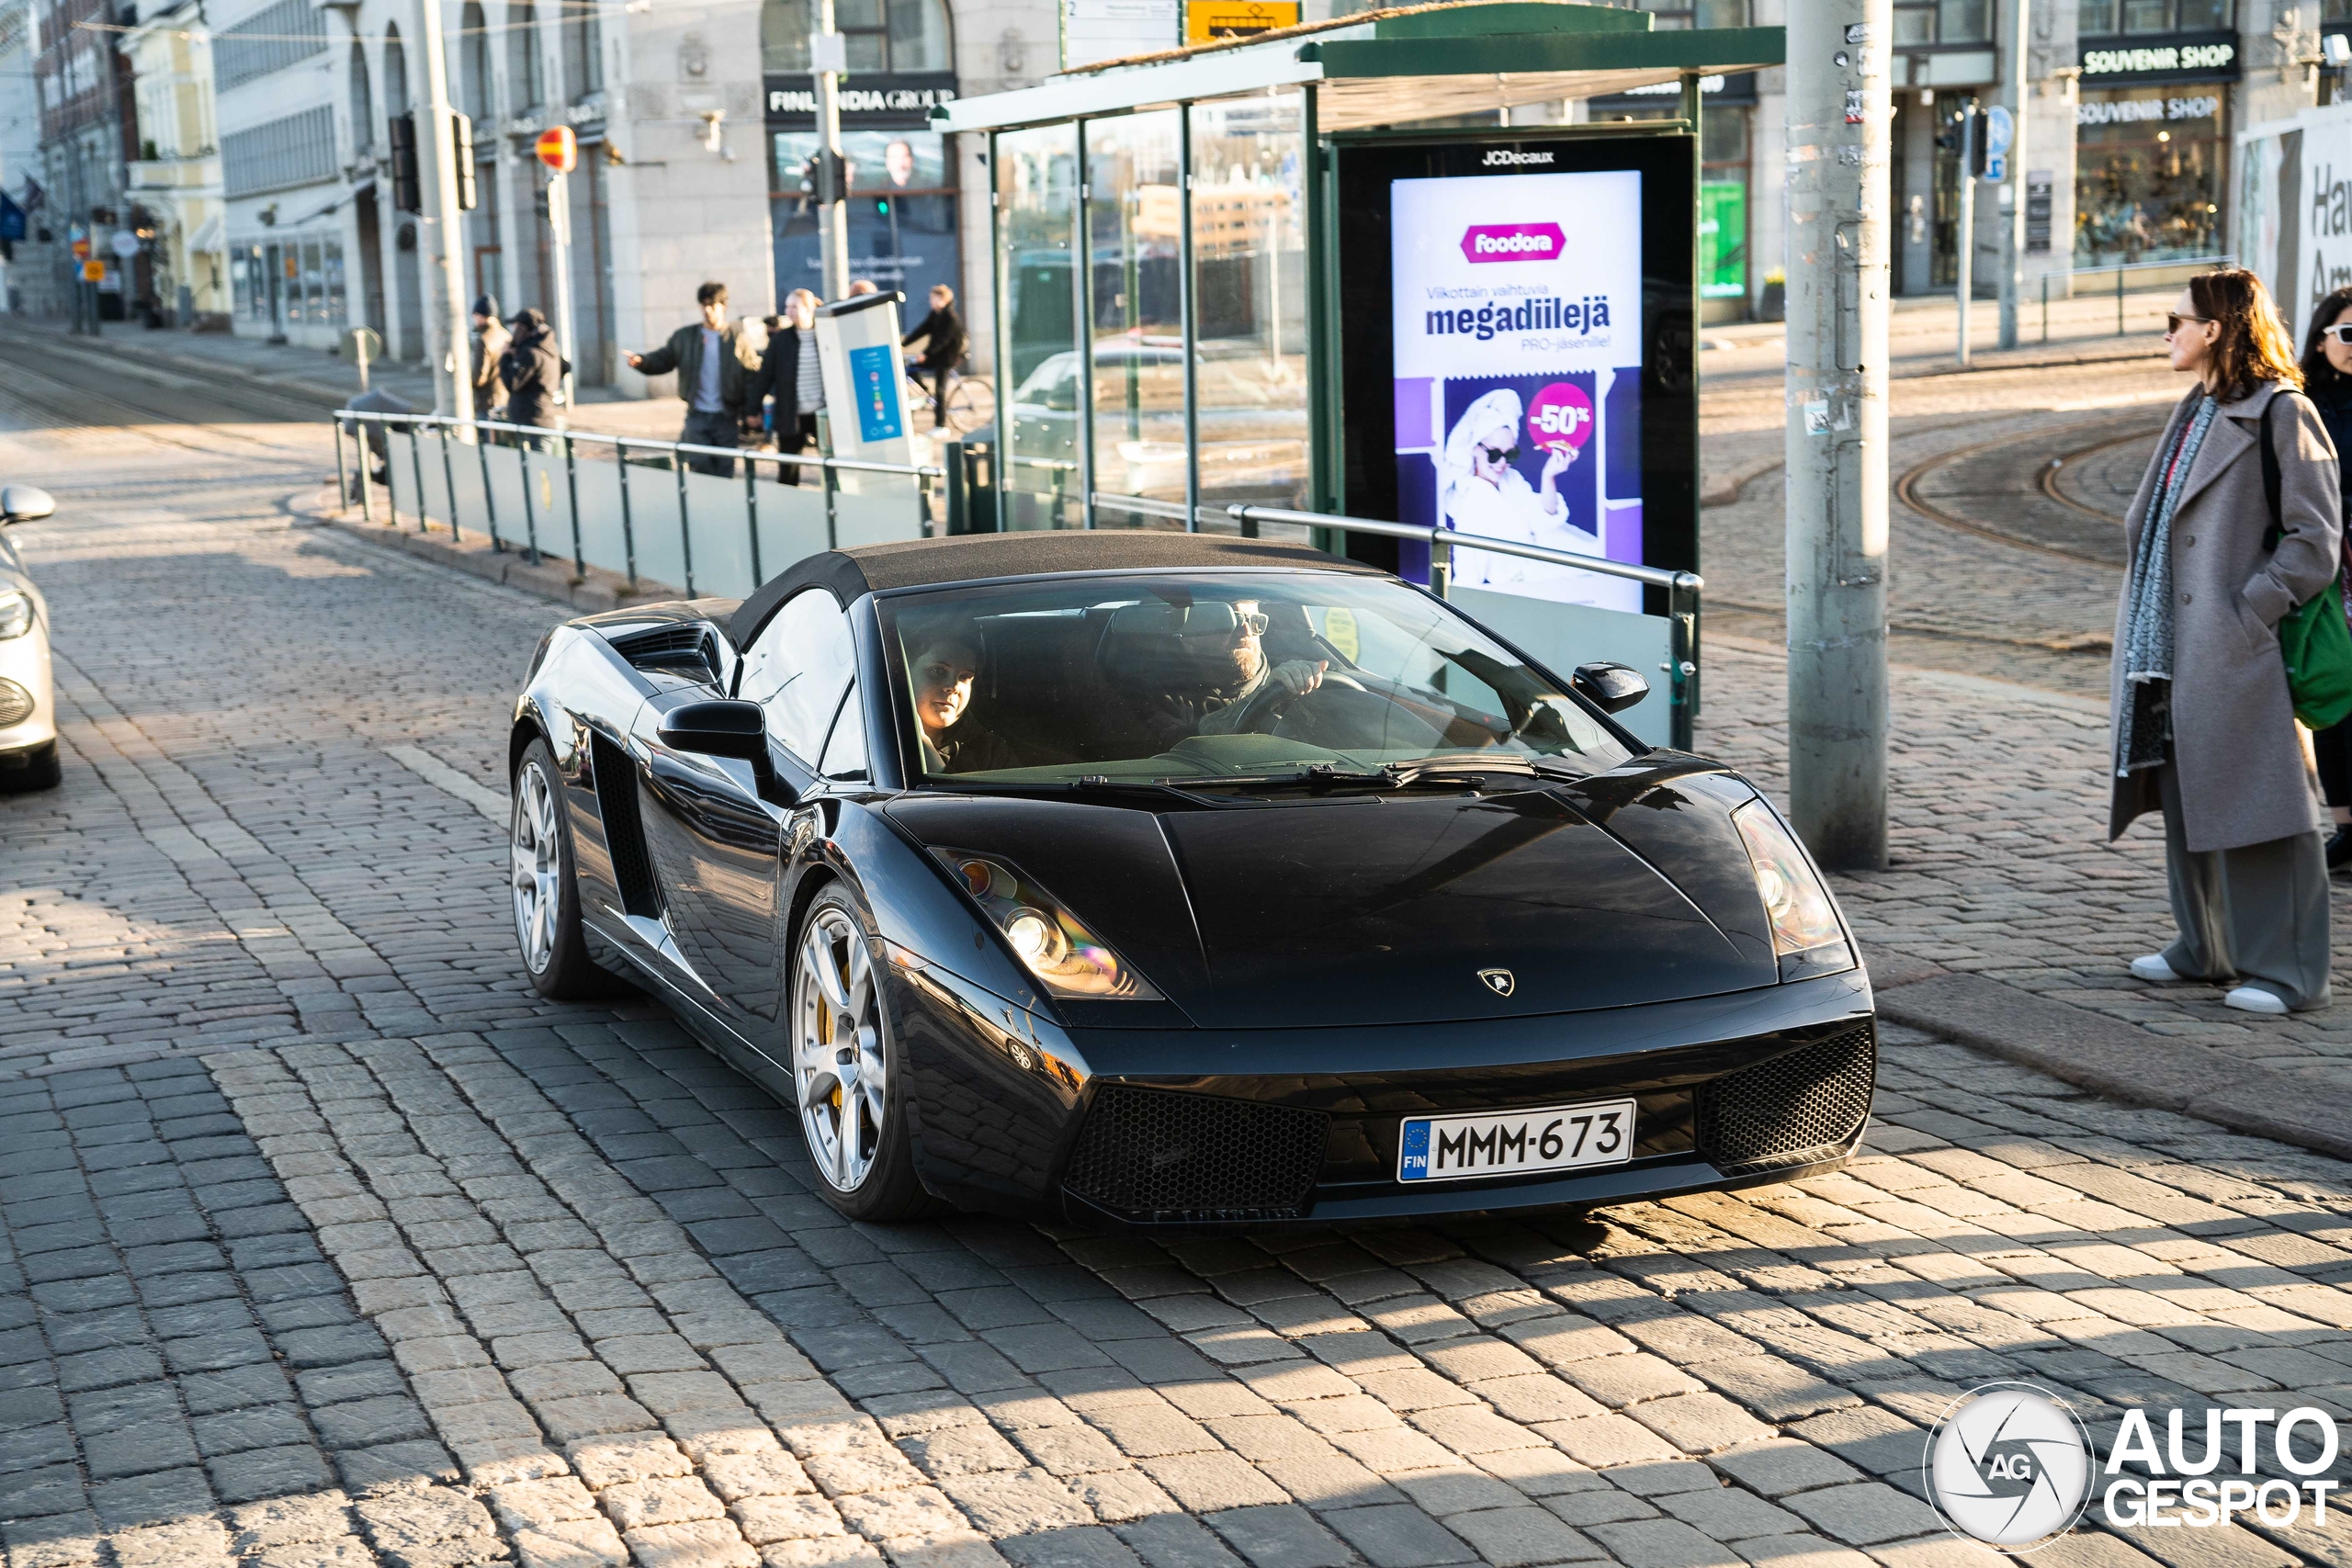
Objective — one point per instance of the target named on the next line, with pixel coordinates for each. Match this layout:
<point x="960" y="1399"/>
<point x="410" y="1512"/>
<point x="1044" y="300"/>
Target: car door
<point x="723" y="840"/>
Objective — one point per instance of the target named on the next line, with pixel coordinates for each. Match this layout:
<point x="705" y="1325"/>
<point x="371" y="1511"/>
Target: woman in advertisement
<point x="1483" y="492"/>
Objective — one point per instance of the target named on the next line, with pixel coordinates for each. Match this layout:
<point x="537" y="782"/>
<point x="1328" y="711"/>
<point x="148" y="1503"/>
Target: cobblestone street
<point x="328" y="1243"/>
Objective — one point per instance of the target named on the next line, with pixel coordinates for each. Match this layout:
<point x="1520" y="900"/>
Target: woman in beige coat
<point x="2204" y="729"/>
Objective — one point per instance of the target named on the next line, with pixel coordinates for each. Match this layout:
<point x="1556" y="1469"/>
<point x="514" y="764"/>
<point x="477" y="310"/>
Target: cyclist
<point x="944" y="339"/>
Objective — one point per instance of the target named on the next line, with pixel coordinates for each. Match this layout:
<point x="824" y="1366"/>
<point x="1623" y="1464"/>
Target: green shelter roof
<point x="1404" y="63"/>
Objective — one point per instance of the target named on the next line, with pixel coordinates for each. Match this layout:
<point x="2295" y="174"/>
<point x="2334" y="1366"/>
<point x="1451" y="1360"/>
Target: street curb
<point x="2117" y="1059"/>
<point x="553" y="577"/>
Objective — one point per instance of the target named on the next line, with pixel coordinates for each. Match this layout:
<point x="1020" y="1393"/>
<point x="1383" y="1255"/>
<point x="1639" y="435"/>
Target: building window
<point x="2114" y="18"/>
<point x="583" y="48"/>
<point x="473" y="64"/>
<point x="283" y="34"/>
<point x="526" y="84"/>
<point x="2150" y="171"/>
<point x="363" y="103"/>
<point x="901" y="211"/>
<point x="886" y="36"/>
<point x="295" y="150"/>
<point x="1942" y="21"/>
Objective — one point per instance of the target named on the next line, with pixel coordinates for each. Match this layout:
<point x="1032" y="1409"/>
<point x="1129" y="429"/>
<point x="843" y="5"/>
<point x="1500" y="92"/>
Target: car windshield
<point x="1217" y="676"/>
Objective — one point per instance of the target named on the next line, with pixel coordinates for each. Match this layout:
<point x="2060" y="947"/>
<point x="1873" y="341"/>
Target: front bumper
<point x="1191" y="1129"/>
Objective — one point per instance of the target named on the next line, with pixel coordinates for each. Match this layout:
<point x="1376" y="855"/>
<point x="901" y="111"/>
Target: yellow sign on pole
<point x="93" y="271"/>
<point x="1207" y="22"/>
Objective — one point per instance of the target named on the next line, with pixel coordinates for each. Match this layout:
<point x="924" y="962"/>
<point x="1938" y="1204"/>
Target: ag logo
<point x="2009" y="1466"/>
<point x="1499" y="981"/>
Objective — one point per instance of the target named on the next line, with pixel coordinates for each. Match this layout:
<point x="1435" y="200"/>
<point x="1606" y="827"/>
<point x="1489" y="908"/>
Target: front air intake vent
<point x="624" y="828"/>
<point x="1807" y="1105"/>
<point x="682" y="648"/>
<point x="1157" y="1155"/>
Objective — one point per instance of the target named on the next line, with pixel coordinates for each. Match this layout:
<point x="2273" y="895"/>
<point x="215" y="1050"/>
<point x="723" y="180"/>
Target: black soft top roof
<point x="923" y="563"/>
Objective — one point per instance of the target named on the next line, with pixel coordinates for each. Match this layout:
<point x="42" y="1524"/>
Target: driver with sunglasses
<point x="1224" y="644"/>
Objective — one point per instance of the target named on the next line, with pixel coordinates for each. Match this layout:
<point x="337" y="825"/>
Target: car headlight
<point x="1054" y="945"/>
<point x="1806" y="937"/>
<point x="16" y="614"/>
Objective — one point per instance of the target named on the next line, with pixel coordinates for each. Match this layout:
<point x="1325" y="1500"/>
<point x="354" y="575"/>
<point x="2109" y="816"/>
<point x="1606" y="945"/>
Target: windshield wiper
<point x="1448" y="769"/>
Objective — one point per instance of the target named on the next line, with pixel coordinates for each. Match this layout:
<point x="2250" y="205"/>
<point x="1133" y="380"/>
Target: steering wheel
<point x="1264" y="708"/>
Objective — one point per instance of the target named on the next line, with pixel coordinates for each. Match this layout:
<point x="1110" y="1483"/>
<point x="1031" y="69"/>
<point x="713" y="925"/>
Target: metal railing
<point x="354" y="422"/>
<point x="2121" y="269"/>
<point x="1681" y="588"/>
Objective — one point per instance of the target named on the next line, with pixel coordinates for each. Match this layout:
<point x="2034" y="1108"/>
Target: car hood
<point x="1384" y="908"/>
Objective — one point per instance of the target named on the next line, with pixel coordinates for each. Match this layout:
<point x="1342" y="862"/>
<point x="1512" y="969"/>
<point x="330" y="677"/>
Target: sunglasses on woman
<point x="1500" y="453"/>
<point x="2174" y="317"/>
<point x="2341" y="333"/>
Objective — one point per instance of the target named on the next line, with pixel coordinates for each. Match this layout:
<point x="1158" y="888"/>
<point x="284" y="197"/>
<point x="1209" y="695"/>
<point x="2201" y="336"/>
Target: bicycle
<point x="971" y="400"/>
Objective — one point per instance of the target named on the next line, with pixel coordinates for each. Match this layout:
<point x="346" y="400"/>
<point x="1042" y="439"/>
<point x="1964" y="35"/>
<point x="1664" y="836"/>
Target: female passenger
<point x="2203" y="727"/>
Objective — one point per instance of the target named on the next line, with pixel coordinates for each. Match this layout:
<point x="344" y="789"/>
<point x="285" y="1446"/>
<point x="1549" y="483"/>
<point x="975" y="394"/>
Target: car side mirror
<point x="1610" y="687"/>
<point x="725" y="728"/>
<point x="717" y="730"/>
<point x="25" y="503"/>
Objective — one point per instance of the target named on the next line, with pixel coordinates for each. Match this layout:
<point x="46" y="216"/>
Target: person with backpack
<point x="532" y="369"/>
<point x="2327" y="381"/>
<point x="2234" y="535"/>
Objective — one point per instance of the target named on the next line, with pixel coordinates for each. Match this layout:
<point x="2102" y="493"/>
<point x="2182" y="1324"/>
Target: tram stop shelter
<point x="1315" y="280"/>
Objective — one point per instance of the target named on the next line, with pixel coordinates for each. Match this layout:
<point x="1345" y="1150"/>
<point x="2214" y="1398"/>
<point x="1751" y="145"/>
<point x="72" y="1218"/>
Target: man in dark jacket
<point x="718" y="368"/>
<point x="532" y="370"/>
<point x="490" y="337"/>
<point x="943" y="337"/>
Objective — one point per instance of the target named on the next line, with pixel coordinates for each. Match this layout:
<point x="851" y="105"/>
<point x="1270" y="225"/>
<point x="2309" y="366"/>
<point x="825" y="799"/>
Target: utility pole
<point x="2013" y="171"/>
<point x="1839" y="117"/>
<point x="444" y="219"/>
<point x="1970" y="130"/>
<point x="829" y="58"/>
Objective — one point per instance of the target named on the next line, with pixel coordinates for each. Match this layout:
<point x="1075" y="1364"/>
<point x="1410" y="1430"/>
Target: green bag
<point x="2313" y="637"/>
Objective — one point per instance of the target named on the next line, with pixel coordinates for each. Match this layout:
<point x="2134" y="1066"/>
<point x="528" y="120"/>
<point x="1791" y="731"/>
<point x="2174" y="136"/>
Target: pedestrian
<point x="864" y="286"/>
<point x="532" y="371"/>
<point x="793" y="377"/>
<point x="717" y="367"/>
<point x="2203" y="724"/>
<point x="2327" y="381"/>
<point x="490" y="338"/>
<point x="942" y="339"/>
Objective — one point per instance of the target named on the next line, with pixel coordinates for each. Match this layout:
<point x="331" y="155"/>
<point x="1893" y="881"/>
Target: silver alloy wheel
<point x="838" y="1064"/>
<point x="536" y="858"/>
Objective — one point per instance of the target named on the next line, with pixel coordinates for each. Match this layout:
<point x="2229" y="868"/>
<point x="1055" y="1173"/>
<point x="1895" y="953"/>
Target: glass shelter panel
<point x="1036" y="173"/>
<point x="1135" y="229"/>
<point x="1249" y="282"/>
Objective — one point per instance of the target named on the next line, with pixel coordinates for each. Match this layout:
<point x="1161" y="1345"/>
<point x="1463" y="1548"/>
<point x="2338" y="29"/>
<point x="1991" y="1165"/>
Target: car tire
<point x="839" y="1033"/>
<point x="39" y="769"/>
<point x="544" y="884"/>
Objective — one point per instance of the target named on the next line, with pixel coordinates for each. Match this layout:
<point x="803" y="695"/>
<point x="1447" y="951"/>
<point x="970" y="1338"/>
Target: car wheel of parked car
<point x="846" y="1070"/>
<point x="545" y="884"/>
<point x="38" y="770"/>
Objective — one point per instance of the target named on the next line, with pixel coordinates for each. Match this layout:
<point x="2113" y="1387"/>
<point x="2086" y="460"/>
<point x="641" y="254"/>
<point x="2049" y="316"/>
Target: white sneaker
<point x="2153" y="968"/>
<point x="2252" y="999"/>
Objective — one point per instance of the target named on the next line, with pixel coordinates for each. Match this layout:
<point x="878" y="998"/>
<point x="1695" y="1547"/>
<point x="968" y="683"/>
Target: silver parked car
<point x="27" y="701"/>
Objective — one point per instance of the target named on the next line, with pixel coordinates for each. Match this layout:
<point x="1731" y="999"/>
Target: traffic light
<point x="824" y="178"/>
<point x="1977" y="144"/>
<point x="462" y="141"/>
<point x="400" y="144"/>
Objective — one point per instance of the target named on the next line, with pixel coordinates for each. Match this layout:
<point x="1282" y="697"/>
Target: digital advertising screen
<point x="1528" y="376"/>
